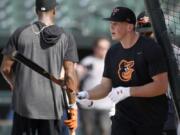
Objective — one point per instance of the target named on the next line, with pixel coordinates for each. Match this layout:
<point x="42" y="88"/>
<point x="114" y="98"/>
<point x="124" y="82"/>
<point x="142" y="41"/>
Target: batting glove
<point x="83" y="95"/>
<point x="85" y="103"/>
<point x="118" y="94"/>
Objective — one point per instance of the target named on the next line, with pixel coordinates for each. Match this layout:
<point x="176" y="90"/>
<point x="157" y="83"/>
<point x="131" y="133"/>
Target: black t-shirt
<point x="136" y="66"/>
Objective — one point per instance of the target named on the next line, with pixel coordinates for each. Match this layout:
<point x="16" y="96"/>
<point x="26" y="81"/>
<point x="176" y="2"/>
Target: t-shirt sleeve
<point x="107" y="66"/>
<point x="155" y="59"/>
<point x="11" y="44"/>
<point x="71" y="52"/>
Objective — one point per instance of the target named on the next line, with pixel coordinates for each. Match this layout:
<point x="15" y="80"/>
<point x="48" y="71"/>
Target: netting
<point x="171" y="10"/>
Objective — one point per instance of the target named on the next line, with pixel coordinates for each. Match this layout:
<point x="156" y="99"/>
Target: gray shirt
<point x="32" y="95"/>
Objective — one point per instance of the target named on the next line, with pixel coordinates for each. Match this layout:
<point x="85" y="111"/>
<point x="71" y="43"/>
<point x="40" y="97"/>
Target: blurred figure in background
<point x="90" y="71"/>
<point x="144" y="27"/>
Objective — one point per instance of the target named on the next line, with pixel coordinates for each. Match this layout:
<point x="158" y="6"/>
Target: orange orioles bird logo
<point x="125" y="70"/>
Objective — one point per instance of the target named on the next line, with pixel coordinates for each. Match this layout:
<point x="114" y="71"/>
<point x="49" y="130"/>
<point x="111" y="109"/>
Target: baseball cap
<point x="45" y="5"/>
<point x="144" y="23"/>
<point x="122" y="14"/>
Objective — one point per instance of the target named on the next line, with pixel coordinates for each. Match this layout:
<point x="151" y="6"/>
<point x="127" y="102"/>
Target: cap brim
<point x="112" y="19"/>
<point x="107" y="19"/>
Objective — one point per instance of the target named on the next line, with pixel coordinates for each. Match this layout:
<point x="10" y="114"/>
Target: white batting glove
<point x="112" y="111"/>
<point x="83" y="95"/>
<point x="85" y="103"/>
<point x="118" y="94"/>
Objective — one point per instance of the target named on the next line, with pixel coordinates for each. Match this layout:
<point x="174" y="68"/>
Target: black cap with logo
<point x="45" y="5"/>
<point x="122" y="14"/>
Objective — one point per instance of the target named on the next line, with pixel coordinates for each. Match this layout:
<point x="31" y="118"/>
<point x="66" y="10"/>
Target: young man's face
<point x="118" y="30"/>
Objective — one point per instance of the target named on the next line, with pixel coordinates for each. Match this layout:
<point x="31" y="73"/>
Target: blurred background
<point x="81" y="17"/>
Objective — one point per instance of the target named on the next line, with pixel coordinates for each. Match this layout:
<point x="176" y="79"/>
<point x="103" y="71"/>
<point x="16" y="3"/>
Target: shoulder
<point x="16" y="34"/>
<point x="152" y="50"/>
<point x="66" y="33"/>
<point x="68" y="37"/>
<point x="19" y="30"/>
<point x="114" y="47"/>
<point x="112" y="50"/>
<point x="149" y="44"/>
<point x="147" y="40"/>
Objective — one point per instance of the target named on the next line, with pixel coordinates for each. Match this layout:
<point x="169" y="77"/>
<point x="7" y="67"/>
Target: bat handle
<point x="72" y="132"/>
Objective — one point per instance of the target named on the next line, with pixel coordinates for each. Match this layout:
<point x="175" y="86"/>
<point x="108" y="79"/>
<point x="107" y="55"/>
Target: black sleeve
<point x="155" y="58"/>
<point x="71" y="52"/>
<point x="13" y="41"/>
<point x="11" y="45"/>
<point x="107" y="65"/>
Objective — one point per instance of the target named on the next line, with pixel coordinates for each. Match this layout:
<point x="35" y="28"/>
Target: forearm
<point x="6" y="69"/>
<point x="98" y="92"/>
<point x="8" y="77"/>
<point x="101" y="90"/>
<point x="155" y="88"/>
<point x="72" y="86"/>
<point x="149" y="90"/>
